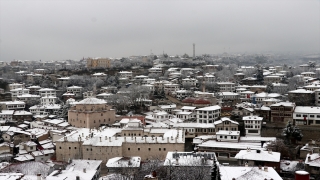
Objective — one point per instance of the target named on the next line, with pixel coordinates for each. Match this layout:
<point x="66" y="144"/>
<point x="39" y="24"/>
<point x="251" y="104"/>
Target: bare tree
<point x="279" y="146"/>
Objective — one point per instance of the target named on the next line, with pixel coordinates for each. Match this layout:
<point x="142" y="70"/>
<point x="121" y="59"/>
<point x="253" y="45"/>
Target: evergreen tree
<point x="291" y="132"/>
<point x="260" y="76"/>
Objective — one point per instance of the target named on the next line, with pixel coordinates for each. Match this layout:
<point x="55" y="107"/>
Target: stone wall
<point x="307" y="131"/>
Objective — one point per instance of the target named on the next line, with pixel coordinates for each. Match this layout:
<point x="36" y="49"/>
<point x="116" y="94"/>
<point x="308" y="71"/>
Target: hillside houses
<point x="146" y="112"/>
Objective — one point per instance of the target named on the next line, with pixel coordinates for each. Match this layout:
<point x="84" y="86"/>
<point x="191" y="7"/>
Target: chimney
<point x="38" y="176"/>
<point x="109" y="139"/>
<point x="77" y="177"/>
<point x="106" y="137"/>
<point x="100" y="139"/>
<point x="84" y="170"/>
<point x="168" y="139"/>
<point x="265" y="168"/>
<point x="65" y="138"/>
<point x="270" y="151"/>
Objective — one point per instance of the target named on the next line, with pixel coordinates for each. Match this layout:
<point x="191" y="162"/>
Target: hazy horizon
<point x="57" y="30"/>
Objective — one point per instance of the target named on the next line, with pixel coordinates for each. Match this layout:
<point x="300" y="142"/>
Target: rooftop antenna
<point x="194" y="50"/>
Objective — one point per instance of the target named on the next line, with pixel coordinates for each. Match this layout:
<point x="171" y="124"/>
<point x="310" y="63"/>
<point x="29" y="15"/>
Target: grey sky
<point x="57" y="30"/>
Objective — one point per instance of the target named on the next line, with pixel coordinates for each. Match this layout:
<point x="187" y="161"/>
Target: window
<point x="252" y="131"/>
<point x="226" y="137"/>
<point x="311" y="115"/>
<point x="75" y="147"/>
<point x="149" y="149"/>
<point x="128" y="149"/>
<point x="69" y="148"/>
<point x="60" y="147"/>
<point x="138" y="149"/>
<point x="164" y="149"/>
<point x="159" y="149"/>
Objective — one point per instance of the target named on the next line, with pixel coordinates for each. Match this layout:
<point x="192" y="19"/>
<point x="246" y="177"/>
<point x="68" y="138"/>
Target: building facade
<point x="91" y="113"/>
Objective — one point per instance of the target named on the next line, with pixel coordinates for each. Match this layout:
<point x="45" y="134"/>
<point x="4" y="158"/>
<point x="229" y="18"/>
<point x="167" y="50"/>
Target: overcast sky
<point x="58" y="30"/>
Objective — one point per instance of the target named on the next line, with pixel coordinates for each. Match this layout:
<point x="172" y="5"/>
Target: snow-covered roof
<point x="74" y="87"/>
<point x="188" y="107"/>
<point x="209" y="108"/>
<point x="256" y="139"/>
<point x="24" y="157"/>
<point x="256" y="118"/>
<point x="290" y="104"/>
<point x="229" y="94"/>
<point x="301" y="91"/>
<point x="46" y="89"/>
<point x="224" y="119"/>
<point x="307" y="109"/>
<point x="22" y="113"/>
<point x="6" y="112"/>
<point x="171" y="106"/>
<point x="268" y="95"/>
<point x="133" y="162"/>
<point x="313" y="160"/>
<point x="230" y="145"/>
<point x="247" y="173"/>
<point x="92" y="100"/>
<point x="193" y="125"/>
<point x="99" y="74"/>
<point x="258" y="155"/>
<point x="289" y="166"/>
